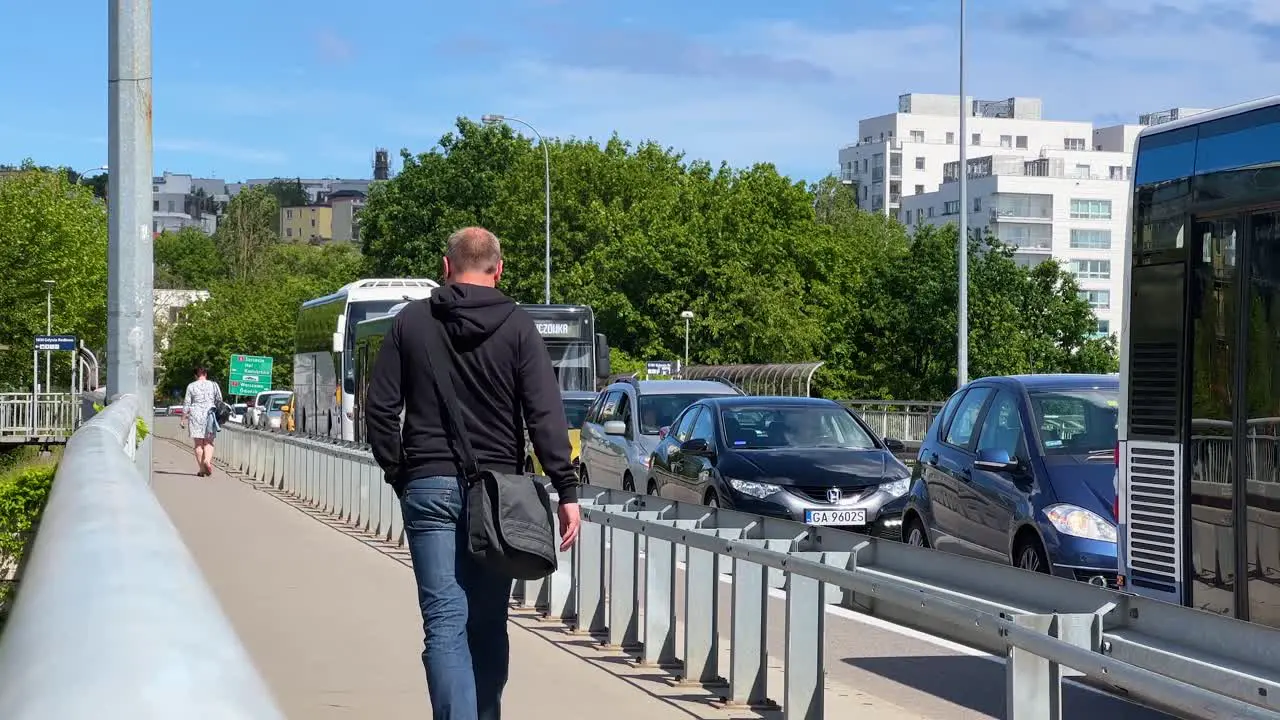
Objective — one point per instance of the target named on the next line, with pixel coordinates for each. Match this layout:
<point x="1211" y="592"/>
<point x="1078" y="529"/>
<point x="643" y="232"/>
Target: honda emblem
<point x="833" y="495"/>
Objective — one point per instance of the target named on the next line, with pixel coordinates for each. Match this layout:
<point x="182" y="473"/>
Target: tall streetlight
<point x="48" y="330"/>
<point x="687" y="315"/>
<point x="546" y="156"/>
<point x="80" y="176"/>
<point x="962" y="313"/>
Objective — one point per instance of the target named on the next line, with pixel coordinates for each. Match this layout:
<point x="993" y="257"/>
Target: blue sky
<point x="254" y="88"/>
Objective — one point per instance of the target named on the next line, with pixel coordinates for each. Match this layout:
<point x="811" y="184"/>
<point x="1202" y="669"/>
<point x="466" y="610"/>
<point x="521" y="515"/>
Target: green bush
<point x="23" y="492"/>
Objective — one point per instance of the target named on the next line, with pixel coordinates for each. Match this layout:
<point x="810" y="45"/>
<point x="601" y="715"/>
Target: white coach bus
<point x="325" y="351"/>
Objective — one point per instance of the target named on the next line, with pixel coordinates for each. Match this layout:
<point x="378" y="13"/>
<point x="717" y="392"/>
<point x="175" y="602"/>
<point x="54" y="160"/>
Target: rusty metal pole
<point x="130" y="314"/>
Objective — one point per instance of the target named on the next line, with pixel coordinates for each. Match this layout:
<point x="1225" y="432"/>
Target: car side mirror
<point x="663" y="432"/>
<point x="894" y="445"/>
<point x="995" y="460"/>
<point x="695" y="446"/>
<point x="615" y="427"/>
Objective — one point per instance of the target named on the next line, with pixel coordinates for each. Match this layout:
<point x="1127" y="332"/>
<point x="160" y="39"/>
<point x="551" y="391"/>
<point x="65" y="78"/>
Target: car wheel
<point x="1031" y="556"/>
<point x="913" y="533"/>
<point x="628" y="483"/>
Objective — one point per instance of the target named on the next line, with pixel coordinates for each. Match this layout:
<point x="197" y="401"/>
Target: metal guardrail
<point x="113" y="618"/>
<point x="907" y="420"/>
<point x="1179" y="659"/>
<point x="49" y="417"/>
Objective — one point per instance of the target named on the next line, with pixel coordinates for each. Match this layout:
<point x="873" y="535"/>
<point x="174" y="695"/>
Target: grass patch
<point x="24" y="489"/>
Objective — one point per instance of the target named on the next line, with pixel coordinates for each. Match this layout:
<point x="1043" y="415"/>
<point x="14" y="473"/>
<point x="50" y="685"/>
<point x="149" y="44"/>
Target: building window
<point x="1091" y="269"/>
<point x="919" y="163"/>
<point x="919" y="216"/>
<point x="1097" y="299"/>
<point x="313" y="222"/>
<point x="1006" y="141"/>
<point x="155" y="206"/>
<point x="170" y="205"/>
<point x="976" y="139"/>
<point x="1104" y="327"/>
<point x="1116" y="172"/>
<point x="917" y="136"/>
<point x="864" y="164"/>
<point x="1023" y="205"/>
<point x="288" y="214"/>
<point x="951" y="207"/>
<point x="1022" y="141"/>
<point x="1090" y="209"/>
<point x="919" y="189"/>
<point x="930" y="211"/>
<point x="288" y="232"/>
<point x="1090" y="239"/>
<point x="977" y="204"/>
<point x="1083" y="171"/>
<point x="1074" y="144"/>
<point x="951" y="138"/>
<point x="1025" y="236"/>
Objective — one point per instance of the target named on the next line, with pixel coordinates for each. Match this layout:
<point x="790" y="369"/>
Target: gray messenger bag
<point x="509" y="522"/>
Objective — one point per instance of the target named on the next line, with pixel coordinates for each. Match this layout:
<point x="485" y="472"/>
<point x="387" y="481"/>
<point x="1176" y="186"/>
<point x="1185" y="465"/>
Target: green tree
<point x="288" y="193"/>
<point x="256" y="314"/>
<point x="50" y="229"/>
<point x="187" y="260"/>
<point x="248" y="231"/>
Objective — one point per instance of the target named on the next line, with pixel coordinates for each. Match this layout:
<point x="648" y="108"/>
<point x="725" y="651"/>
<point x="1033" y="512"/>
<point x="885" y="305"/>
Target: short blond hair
<point x="473" y="250"/>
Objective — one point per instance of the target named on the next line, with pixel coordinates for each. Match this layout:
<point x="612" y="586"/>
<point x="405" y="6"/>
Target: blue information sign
<point x="56" y="343"/>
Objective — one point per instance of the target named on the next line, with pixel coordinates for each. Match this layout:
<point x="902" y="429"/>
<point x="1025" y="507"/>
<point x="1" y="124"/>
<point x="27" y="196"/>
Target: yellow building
<point x="310" y="223"/>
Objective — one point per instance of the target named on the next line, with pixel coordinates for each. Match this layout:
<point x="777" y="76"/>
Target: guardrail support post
<point x="624" y="620"/>
<point x="805" y="667"/>
<point x="701" y="626"/>
<point x="1033" y="685"/>
<point x="590" y="556"/>
<point x="659" y="646"/>
<point x="748" y="652"/>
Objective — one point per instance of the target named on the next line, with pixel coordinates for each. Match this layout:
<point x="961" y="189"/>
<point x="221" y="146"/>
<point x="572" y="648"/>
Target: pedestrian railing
<point x="47" y="417"/>
<point x="113" y="619"/>
<point x="906" y="420"/>
<point x="645" y="567"/>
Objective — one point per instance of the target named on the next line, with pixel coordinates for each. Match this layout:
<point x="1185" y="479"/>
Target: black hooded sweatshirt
<point x="504" y="379"/>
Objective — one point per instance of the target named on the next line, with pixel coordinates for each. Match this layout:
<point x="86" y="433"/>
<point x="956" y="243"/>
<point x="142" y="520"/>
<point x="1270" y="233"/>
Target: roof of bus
<point x="1211" y="115"/>
<point x="377" y="288"/>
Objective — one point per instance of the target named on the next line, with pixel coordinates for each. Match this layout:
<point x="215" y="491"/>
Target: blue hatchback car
<point x="1021" y="470"/>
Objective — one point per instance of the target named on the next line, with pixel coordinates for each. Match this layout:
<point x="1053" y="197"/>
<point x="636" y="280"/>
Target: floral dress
<point x="202" y="397"/>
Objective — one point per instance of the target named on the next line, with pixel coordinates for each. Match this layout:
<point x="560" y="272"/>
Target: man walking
<point x="504" y="380"/>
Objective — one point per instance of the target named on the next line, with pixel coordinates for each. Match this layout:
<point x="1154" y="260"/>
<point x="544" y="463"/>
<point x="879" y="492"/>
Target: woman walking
<point x="202" y="399"/>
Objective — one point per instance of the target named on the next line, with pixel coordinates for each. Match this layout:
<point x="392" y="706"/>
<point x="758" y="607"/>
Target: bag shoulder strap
<point x="442" y="377"/>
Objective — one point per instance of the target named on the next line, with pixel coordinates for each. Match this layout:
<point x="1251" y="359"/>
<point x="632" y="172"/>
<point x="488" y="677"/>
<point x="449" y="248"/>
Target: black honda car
<point x="804" y="459"/>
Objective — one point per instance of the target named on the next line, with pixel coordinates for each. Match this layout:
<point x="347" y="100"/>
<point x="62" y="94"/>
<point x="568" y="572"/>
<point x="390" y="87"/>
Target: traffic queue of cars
<point x="1017" y="470"/>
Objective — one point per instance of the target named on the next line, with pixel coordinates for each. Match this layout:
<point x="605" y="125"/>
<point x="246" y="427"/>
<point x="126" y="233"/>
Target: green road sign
<point x="250" y="375"/>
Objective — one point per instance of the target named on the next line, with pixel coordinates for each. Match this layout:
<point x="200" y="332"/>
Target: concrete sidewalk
<point x="333" y="623"/>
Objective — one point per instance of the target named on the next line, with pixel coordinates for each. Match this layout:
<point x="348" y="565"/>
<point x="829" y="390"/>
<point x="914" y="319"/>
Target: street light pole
<point x="546" y="157"/>
<point x="130" y="316"/>
<point x="687" y="315"/>
<point x="962" y="313"/>
<point x="48" y="330"/>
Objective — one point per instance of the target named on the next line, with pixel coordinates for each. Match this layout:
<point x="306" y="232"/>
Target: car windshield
<point x="1076" y="422"/>
<point x="277" y="401"/>
<point x="658" y="411"/>
<point x="575" y="411"/>
<point x="814" y="426"/>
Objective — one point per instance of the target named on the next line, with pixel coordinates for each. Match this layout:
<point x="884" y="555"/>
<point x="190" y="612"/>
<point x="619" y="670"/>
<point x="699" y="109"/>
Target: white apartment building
<point x="1049" y="188"/>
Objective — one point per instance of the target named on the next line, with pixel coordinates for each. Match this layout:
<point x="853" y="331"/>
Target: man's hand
<point x="570" y="519"/>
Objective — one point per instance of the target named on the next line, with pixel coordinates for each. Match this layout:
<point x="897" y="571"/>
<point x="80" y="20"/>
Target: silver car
<point x="625" y="423"/>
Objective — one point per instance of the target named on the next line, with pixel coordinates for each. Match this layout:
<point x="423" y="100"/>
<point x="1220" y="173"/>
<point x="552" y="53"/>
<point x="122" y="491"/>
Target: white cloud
<point x="1119" y="70"/>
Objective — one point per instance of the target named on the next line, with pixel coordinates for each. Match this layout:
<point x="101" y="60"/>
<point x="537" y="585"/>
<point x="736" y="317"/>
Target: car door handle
<point x="933" y="458"/>
<point x="965" y="475"/>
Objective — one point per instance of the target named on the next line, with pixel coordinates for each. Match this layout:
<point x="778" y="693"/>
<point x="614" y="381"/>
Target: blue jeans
<point x="464" y="606"/>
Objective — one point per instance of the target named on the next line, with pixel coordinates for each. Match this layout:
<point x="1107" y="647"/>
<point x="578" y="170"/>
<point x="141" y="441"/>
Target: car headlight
<point x="1078" y="522"/>
<point x="896" y="488"/>
<point x="751" y="488"/>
